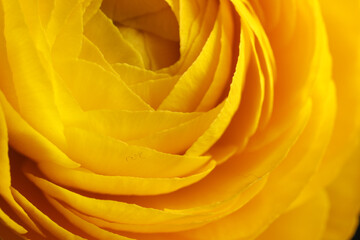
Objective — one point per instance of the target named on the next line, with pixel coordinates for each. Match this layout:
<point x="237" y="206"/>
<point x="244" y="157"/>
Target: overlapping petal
<point x="172" y="119"/>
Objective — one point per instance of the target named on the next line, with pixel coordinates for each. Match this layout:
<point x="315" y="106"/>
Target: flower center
<point x="150" y="27"/>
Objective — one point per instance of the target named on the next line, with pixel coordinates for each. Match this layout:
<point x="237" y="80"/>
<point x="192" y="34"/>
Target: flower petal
<point x="119" y="185"/>
<point x="297" y="225"/>
<point x="90" y="149"/>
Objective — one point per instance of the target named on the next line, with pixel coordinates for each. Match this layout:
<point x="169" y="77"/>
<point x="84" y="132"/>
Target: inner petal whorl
<point x="150" y="27"/>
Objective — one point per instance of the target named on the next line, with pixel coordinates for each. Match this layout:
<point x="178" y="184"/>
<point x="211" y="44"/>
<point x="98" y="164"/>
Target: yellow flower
<point x="179" y="119"/>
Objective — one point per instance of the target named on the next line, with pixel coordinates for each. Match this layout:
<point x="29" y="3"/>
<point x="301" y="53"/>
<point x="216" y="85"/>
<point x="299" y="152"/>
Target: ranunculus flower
<point x="179" y="119"/>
